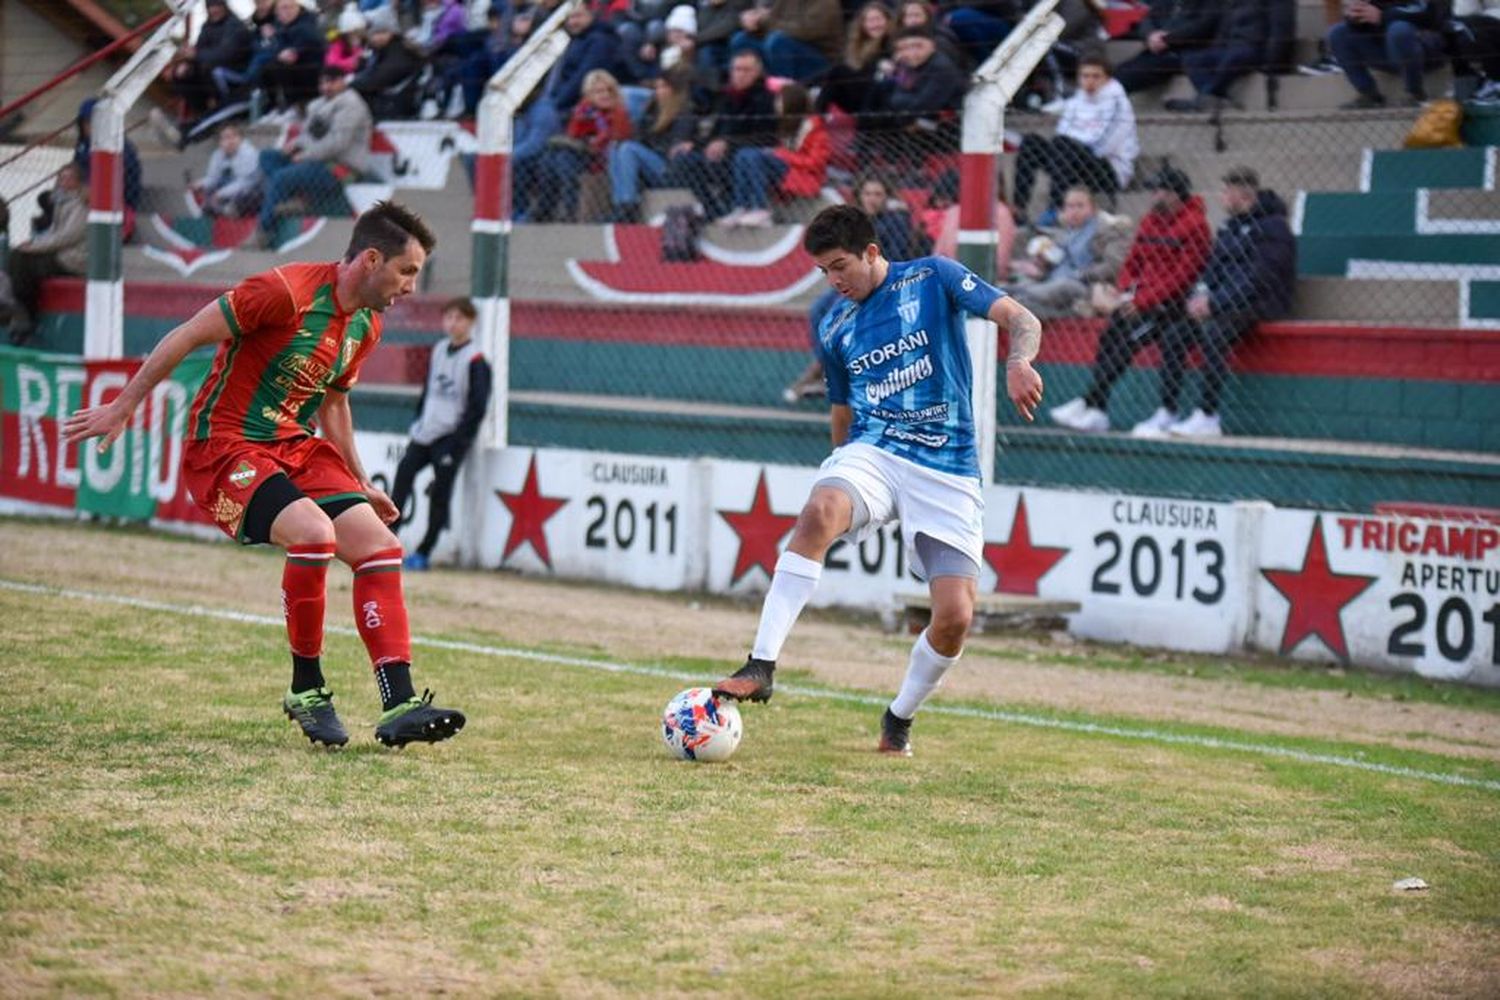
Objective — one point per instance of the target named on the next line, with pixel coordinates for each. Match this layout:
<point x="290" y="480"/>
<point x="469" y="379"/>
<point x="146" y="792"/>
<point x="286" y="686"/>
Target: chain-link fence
<point x="1319" y="330"/>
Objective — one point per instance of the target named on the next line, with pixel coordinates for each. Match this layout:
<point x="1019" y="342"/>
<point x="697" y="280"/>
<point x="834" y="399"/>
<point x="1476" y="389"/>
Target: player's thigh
<point x="359" y="533"/>
<point x="300" y="522"/>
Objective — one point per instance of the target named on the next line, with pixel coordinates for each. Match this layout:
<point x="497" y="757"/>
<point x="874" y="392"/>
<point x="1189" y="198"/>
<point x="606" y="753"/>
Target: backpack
<point x="1437" y="126"/>
<point x="679" y="234"/>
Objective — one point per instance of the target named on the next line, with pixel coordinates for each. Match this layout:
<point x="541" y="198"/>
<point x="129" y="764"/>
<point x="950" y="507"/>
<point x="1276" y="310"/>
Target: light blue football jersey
<point x="899" y="360"/>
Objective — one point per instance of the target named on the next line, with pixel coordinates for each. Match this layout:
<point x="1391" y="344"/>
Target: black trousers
<point x="28" y="269"/>
<point x="1123" y="339"/>
<point x="445" y="458"/>
<point x="1068" y="162"/>
<point x="1215" y="337"/>
<point x="1148" y="69"/>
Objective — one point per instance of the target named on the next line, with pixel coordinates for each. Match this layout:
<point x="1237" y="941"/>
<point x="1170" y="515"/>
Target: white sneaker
<point x="1198" y="424"/>
<point x="1068" y="410"/>
<point x="755" y="218"/>
<point x="732" y="220"/>
<point x="1088" y="419"/>
<point x="428" y="111"/>
<point x="1155" y="425"/>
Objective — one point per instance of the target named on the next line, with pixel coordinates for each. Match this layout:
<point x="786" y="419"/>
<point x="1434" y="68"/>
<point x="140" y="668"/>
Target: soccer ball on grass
<point x="697" y="726"/>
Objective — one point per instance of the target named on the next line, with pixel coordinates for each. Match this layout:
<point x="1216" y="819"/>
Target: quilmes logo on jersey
<point x="243" y="475"/>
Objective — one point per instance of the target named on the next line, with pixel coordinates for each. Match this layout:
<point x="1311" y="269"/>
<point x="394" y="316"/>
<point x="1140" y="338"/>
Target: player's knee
<point x="948" y="628"/>
<point x="822" y="518"/>
<point x="310" y="527"/>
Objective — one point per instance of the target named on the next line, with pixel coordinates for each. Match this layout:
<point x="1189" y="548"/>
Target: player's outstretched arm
<point x="1022" y="382"/>
<point x="107" y="421"/>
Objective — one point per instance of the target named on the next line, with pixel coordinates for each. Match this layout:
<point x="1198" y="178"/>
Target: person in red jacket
<point x="1159" y="272"/>
<point x="597" y="123"/>
<point x="797" y="164"/>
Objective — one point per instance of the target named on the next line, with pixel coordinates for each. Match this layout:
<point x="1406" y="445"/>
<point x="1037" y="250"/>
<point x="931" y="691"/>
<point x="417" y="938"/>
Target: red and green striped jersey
<point x="291" y="343"/>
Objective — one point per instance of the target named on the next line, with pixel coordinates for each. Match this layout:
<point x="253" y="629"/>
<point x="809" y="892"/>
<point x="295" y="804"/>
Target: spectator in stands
<point x="454" y="399"/>
<point x="1172" y="29"/>
<point x="718" y="21"/>
<point x="290" y="78"/>
<point x="797" y="39"/>
<point x="387" y="82"/>
<point x="130" y="158"/>
<point x="911" y="114"/>
<point x="642" y="29"/>
<point x="1474" y="39"/>
<point x="922" y="14"/>
<point x="1253" y="34"/>
<point x="1095" y="144"/>
<point x="1062" y="264"/>
<point x="980" y="26"/>
<point x="898" y="238"/>
<point x="681" y="49"/>
<point x="334" y="145"/>
<point x="223" y="40"/>
<point x="744" y="114"/>
<point x="593" y="45"/>
<point x="597" y="123"/>
<point x="232" y="83"/>
<point x="441" y="21"/>
<point x="442" y="39"/>
<point x="347" y="50"/>
<point x="58" y="250"/>
<point x="1249" y="278"/>
<point x="231" y="185"/>
<point x="1164" y="261"/>
<point x="667" y="128"/>
<point x="1400" y="36"/>
<point x="797" y="165"/>
<point x="868" y="60"/>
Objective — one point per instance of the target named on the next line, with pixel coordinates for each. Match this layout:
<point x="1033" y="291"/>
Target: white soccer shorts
<point x="940" y="505"/>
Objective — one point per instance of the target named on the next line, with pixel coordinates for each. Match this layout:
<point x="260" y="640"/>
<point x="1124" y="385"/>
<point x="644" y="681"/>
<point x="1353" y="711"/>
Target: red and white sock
<point x="304" y="596"/>
<point x="380" y="608"/>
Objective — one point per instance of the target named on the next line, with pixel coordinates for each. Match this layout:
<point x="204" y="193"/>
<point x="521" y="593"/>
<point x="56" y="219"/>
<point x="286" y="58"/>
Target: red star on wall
<point x="529" y="511"/>
<point x="1019" y="566"/>
<point x="760" y="531"/>
<point x="1316" y="596"/>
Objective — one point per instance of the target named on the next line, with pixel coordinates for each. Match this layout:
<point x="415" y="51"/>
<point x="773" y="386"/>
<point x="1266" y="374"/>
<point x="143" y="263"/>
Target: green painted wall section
<point x="1484" y="299"/>
<point x="1329" y="255"/>
<point x="1351" y="214"/>
<point x="1405" y="169"/>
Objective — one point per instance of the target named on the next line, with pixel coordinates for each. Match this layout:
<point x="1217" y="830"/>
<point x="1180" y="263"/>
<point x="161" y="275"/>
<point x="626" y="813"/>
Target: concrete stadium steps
<point x="1410" y="169"/>
<point x="1393" y="301"/>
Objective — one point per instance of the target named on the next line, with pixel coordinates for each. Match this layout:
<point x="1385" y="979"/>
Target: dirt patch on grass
<point x="505" y="608"/>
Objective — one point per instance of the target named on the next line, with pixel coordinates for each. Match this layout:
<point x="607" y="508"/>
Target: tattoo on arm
<point x="1025" y="336"/>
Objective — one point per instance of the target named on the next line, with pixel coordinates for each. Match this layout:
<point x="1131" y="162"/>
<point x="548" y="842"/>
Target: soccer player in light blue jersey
<point x="900" y="384"/>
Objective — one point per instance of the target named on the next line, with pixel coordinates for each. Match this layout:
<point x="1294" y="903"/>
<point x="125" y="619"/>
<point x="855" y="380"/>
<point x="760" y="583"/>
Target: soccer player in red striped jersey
<point x="290" y="343"/>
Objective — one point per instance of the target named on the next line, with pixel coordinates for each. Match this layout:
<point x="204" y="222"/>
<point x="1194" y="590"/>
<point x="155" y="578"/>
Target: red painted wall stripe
<point x="976" y="207"/>
<point x="106" y="193"/>
<point x="491" y="190"/>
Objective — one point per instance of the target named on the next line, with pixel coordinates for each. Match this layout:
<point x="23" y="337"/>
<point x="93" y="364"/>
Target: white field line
<point x="1144" y="735"/>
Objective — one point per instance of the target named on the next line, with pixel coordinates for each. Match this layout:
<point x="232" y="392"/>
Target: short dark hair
<point x="839" y="227"/>
<point x="387" y="227"/>
<point x="330" y="73"/>
<point x="1245" y="177"/>
<point x="1096" y="57"/>
<point x="461" y="304"/>
<point x="917" y="31"/>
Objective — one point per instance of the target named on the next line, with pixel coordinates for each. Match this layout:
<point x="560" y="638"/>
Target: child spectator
<point x="346" y="51"/>
<point x="231" y="185"/>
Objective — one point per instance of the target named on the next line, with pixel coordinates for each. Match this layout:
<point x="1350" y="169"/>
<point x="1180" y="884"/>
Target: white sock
<point x="791" y="585"/>
<point x="923" y="675"/>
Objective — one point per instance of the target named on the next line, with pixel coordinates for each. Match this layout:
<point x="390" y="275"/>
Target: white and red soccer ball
<point x="697" y="726"/>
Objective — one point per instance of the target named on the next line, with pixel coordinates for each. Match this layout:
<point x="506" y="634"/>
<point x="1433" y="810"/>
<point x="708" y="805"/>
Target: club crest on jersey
<point x="243" y="475"/>
<point x="909" y="310"/>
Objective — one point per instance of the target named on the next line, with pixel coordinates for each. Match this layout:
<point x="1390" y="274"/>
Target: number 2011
<point x="623" y="528"/>
<point x="1146" y="564"/>
<point x="1453" y="615"/>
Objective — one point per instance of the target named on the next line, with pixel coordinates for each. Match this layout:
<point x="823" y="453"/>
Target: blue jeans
<point x="783" y="55"/>
<point x="1400" y="48"/>
<point x="978" y="32"/>
<point x="1212" y="70"/>
<point x="756" y="168"/>
<point x="309" y="179"/>
<point x="630" y="163"/>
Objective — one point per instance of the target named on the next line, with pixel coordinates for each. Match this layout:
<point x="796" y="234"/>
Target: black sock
<point x="394" y="682"/>
<point x="307" y="673"/>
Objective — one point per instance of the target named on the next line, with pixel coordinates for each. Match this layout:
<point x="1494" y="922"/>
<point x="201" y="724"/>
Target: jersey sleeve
<point x="835" y="375"/>
<point x="966" y="288"/>
<point x="261" y="302"/>
<point x="350" y="374"/>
